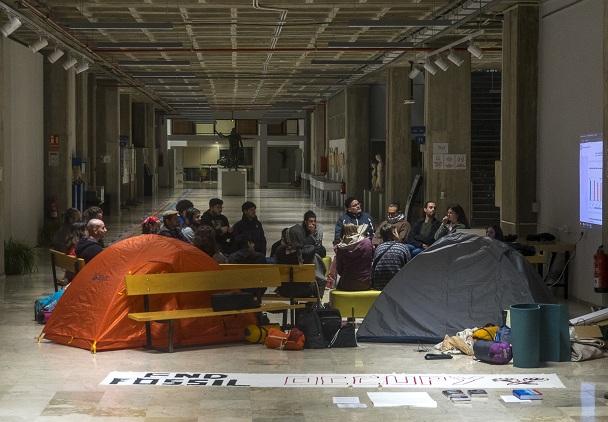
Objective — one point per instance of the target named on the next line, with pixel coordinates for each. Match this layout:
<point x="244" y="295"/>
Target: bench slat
<point x="146" y="284"/>
<point x="67" y="262"/>
<point x="304" y="273"/>
<point x="206" y="312"/>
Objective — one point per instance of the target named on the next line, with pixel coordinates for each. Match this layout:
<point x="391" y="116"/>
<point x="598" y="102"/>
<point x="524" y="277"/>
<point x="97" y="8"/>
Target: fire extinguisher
<point x="343" y="188"/>
<point x="600" y="271"/>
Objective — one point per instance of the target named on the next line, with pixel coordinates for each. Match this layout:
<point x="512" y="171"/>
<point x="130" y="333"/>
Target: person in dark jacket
<point x="89" y="246"/>
<point x="353" y="215"/>
<point x="354" y="256"/>
<point x="313" y="233"/>
<point x="423" y="232"/>
<point x="170" y="227"/>
<point x="250" y="228"/>
<point x="389" y="257"/>
<point x="214" y="218"/>
<point x="61" y="238"/>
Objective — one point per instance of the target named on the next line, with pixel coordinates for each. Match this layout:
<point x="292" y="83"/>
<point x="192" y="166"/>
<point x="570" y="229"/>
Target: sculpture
<point x="379" y="186"/>
<point x="235" y="143"/>
<point x="374" y="167"/>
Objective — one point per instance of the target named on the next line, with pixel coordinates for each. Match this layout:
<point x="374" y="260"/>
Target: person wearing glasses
<point x="454" y="220"/>
<point x="353" y="215"/>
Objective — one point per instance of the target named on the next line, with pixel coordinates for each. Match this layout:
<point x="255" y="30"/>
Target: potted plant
<point x="18" y="258"/>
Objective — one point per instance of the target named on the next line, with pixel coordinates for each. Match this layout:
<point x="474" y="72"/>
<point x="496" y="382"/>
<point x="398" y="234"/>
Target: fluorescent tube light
<point x="381" y="45"/>
<point x="138" y="45"/>
<point x="154" y="63"/>
<point x="11" y="26"/>
<point x="355" y="62"/>
<point x="38" y="45"/>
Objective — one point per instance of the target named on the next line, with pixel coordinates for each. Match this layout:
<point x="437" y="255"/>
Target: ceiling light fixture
<point x="398" y="23"/>
<point x="428" y="66"/>
<point x="409" y="101"/>
<point x="38" y="45"/>
<point x="11" y="26"/>
<point x="414" y="72"/>
<point x="475" y="51"/>
<point x="69" y="63"/>
<point x="441" y="64"/>
<point x="55" y="55"/>
<point x="158" y="26"/>
<point x="83" y="66"/>
<point x="455" y="58"/>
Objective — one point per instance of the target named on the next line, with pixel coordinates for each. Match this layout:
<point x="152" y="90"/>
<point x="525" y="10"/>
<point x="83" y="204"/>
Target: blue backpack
<point x="44" y="305"/>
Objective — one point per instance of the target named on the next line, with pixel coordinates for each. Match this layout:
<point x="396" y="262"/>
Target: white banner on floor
<point x="214" y="379"/>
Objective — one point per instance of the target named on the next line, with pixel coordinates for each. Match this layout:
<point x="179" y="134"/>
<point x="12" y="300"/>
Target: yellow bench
<point x="230" y="277"/>
<point x="358" y="303"/>
<point x="66" y="262"/>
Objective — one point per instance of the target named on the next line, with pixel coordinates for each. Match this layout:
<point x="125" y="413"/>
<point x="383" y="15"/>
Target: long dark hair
<point x="462" y="217"/>
<point x="204" y="239"/>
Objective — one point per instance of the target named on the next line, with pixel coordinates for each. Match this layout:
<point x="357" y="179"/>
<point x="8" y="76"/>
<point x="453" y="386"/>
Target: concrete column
<point x="261" y="158"/>
<point x="82" y="124"/>
<point x="91" y="156"/>
<point x="519" y="120"/>
<point x="357" y="139"/>
<point x="160" y="121"/>
<point x="308" y="137"/>
<point x="59" y="123"/>
<point x="127" y="190"/>
<point x="398" y="156"/>
<point x="448" y="121"/>
<point x="108" y="147"/>
<point x="318" y="147"/>
<point x="151" y="145"/>
<point x="3" y="137"/>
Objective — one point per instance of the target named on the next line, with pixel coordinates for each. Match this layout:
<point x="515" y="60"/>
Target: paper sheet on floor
<point x="402" y="399"/>
<point x="513" y="399"/>
<point x="344" y="400"/>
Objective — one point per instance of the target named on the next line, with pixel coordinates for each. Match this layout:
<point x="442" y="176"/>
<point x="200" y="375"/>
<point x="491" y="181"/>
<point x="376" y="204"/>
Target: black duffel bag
<point x="234" y="300"/>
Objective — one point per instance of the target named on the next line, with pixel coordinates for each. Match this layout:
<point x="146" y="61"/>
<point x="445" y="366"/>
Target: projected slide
<point x="590" y="180"/>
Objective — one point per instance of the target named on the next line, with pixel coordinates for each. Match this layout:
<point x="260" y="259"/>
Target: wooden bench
<point x="66" y="262"/>
<point x="304" y="273"/>
<point x="228" y="278"/>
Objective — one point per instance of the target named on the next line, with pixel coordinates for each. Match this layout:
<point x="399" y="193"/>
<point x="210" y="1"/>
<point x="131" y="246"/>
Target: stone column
<point x="398" y="156"/>
<point x="308" y="137"/>
<point x="126" y="188"/>
<point x="151" y="145"/>
<point x="605" y="167"/>
<point x="160" y="121"/>
<point x="82" y="116"/>
<point x="59" y="123"/>
<point x="261" y="158"/>
<point x="519" y="120"/>
<point x="448" y="121"/>
<point x="3" y="94"/>
<point x="357" y="139"/>
<point x="108" y="147"/>
<point x="317" y="148"/>
<point x="91" y="156"/>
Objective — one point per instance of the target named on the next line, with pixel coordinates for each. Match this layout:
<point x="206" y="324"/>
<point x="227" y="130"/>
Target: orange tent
<point x="92" y="313"/>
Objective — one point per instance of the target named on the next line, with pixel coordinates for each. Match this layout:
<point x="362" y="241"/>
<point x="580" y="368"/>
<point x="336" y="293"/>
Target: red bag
<point x="277" y="339"/>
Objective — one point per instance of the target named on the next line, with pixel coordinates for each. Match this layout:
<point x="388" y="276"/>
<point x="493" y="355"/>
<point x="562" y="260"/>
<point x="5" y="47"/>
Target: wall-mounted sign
<point x="54" y="142"/>
<point x="449" y="161"/>
<point x="53" y="159"/>
<point x="440" y="147"/>
<point x="418" y="130"/>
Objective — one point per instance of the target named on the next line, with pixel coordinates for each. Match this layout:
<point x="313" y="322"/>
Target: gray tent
<point x="462" y="281"/>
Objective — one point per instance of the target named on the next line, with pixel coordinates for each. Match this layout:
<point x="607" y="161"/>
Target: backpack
<point x="496" y="352"/>
<point x="44" y="306"/>
<point x="319" y="325"/>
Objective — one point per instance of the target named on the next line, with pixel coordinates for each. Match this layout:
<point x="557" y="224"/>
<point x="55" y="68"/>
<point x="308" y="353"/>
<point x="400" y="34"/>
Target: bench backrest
<point x="304" y="273"/>
<point x="148" y="284"/>
<point x="67" y="262"/>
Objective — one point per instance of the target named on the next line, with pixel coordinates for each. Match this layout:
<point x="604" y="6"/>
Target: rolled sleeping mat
<point x="525" y="335"/>
<point x="554" y="334"/>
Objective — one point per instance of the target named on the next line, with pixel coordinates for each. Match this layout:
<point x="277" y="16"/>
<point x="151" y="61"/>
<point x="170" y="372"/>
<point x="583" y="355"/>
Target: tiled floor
<point x="50" y="382"/>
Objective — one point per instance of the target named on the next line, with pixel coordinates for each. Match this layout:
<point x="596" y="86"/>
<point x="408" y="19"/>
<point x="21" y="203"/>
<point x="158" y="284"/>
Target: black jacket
<point x="359" y="219"/>
<point x="217" y="222"/>
<point x="250" y="230"/>
<point x="87" y="248"/>
<point x="416" y="239"/>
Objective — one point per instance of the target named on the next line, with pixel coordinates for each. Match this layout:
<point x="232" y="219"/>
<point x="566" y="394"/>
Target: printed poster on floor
<point x="445" y="381"/>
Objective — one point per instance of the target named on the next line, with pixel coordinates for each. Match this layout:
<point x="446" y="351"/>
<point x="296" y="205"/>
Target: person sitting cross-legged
<point x="354" y="256"/>
<point x="390" y="256"/>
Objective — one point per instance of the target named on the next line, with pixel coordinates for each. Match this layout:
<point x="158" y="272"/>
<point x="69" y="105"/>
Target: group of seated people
<point x="365" y="258"/>
<point x="368" y="259"/>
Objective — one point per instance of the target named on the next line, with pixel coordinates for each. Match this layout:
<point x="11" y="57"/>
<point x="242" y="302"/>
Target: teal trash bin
<point x="525" y="335"/>
<point x="554" y="333"/>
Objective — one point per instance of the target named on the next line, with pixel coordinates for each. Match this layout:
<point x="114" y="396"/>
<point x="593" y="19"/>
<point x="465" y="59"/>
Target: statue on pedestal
<point x="374" y="167"/>
<point x="379" y="185"/>
<point x="235" y="143"/>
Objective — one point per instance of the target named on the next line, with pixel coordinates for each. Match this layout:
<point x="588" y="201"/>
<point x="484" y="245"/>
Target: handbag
<point x="496" y="352"/>
<point x="233" y="301"/>
<point x="344" y="337"/>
